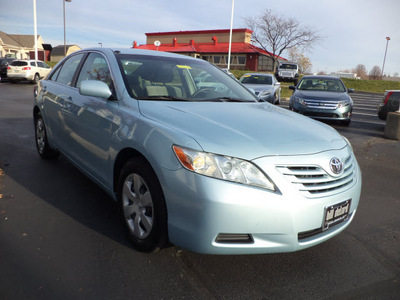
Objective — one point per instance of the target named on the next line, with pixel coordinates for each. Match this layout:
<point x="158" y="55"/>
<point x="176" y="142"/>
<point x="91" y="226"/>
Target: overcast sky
<point x="354" y="31"/>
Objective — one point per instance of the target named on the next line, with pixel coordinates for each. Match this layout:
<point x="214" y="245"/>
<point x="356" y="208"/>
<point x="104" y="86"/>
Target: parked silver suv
<point x="26" y="69"/>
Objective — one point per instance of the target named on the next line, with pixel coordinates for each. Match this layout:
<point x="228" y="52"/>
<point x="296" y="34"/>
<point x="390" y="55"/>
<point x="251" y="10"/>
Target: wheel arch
<point x="123" y="156"/>
<point x="36" y="111"/>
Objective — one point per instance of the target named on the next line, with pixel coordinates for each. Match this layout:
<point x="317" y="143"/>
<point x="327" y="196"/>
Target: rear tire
<point x="36" y="78"/>
<point x="42" y="145"/>
<point x="142" y="206"/>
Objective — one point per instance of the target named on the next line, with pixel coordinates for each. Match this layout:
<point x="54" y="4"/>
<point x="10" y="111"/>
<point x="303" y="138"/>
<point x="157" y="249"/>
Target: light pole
<point x="65" y="36"/>
<point x="384" y="58"/>
<point x="35" y="29"/>
<point x="230" y="37"/>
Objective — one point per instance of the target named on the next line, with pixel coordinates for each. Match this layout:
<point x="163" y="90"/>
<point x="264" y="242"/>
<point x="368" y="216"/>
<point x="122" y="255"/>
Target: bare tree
<point x="375" y="73"/>
<point x="302" y="61"/>
<point x="361" y="71"/>
<point x="275" y="34"/>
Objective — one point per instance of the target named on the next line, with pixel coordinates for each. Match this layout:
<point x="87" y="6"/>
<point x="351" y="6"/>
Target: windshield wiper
<point x="229" y="99"/>
<point x="168" y="98"/>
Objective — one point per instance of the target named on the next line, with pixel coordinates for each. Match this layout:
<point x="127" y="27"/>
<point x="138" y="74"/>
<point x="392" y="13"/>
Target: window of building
<point x="265" y="63"/>
<point x="241" y="60"/>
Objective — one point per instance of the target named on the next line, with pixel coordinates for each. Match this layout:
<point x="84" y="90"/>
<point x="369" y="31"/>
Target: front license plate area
<point x="336" y="214"/>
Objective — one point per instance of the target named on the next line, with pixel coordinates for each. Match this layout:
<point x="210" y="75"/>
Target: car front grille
<point x="321" y="104"/>
<point x="314" y="181"/>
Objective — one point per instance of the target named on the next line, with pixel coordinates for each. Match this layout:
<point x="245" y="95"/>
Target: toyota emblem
<point x="336" y="165"/>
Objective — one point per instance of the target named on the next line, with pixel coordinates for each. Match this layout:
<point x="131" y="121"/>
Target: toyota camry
<point x="206" y="168"/>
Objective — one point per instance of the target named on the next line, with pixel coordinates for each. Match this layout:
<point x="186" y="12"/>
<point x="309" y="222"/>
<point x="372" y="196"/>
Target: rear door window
<point x="68" y="69"/>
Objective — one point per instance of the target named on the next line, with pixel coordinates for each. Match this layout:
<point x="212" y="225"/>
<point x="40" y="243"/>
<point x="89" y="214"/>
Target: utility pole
<point x="384" y="58"/>
<point x="65" y="35"/>
<point x="230" y="37"/>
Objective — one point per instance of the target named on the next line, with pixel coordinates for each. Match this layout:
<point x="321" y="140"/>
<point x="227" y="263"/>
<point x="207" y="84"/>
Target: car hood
<point x="259" y="87"/>
<point x="321" y="95"/>
<point x="244" y="130"/>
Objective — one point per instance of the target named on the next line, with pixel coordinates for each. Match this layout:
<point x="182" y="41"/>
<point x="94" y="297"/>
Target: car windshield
<point x="288" y="67"/>
<point x="256" y="79"/>
<point x="18" y="63"/>
<point x="179" y="79"/>
<point x="322" y="84"/>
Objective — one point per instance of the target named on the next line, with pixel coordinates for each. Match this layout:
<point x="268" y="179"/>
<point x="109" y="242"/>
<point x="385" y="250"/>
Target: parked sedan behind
<point x="322" y="97"/>
<point x="31" y="70"/>
<point x="265" y="86"/>
<point x="390" y="103"/>
<point x="212" y="171"/>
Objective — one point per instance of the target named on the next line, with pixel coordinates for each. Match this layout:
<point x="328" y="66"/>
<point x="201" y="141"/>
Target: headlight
<point x="264" y="93"/>
<point x="343" y="103"/>
<point x="299" y="100"/>
<point x="223" y="167"/>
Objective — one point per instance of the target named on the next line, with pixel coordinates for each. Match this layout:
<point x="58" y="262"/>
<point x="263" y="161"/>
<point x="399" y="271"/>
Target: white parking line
<point x="363" y="114"/>
<point x="368" y="122"/>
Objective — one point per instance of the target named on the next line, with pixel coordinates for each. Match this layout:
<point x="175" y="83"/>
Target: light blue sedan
<point x="207" y="169"/>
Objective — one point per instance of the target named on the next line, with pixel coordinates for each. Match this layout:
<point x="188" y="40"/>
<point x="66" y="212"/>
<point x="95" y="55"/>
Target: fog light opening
<point x="233" y="238"/>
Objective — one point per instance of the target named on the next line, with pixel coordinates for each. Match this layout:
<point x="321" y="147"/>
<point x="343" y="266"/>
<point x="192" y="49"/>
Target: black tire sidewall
<point x="36" y="78"/>
<point x="158" y="237"/>
<point x="47" y="151"/>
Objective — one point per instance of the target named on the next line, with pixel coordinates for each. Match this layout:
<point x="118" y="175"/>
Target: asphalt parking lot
<point x="61" y="238"/>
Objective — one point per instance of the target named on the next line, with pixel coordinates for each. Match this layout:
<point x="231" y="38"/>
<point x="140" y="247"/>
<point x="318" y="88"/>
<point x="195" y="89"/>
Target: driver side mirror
<point x="95" y="88"/>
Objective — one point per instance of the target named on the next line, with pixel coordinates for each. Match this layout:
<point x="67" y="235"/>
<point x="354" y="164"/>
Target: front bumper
<point x="212" y="216"/>
<point x="342" y="113"/>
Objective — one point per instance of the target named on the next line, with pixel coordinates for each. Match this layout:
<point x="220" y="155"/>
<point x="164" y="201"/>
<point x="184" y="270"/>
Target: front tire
<point x="42" y="145"/>
<point x="142" y="206"/>
<point x="277" y="98"/>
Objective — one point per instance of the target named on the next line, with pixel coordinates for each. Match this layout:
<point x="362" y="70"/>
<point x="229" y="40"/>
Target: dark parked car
<point x="4" y="62"/>
<point x="322" y="97"/>
<point x="390" y="103"/>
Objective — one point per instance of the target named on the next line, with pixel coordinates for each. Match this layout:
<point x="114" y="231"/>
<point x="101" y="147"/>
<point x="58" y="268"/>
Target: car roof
<point x="28" y="60"/>
<point x="319" y="76"/>
<point x="140" y="52"/>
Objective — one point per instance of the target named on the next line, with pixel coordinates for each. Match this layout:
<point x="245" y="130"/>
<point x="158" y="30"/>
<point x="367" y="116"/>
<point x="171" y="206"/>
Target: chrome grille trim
<point x="321" y="104"/>
<point x="314" y="181"/>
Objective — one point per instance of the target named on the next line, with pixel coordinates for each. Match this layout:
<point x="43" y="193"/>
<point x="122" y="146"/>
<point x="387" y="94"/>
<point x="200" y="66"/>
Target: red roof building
<point x="213" y="46"/>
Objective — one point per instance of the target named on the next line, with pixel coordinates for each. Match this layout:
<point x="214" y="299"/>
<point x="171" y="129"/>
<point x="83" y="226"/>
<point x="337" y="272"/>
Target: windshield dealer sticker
<point x="183" y="67"/>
